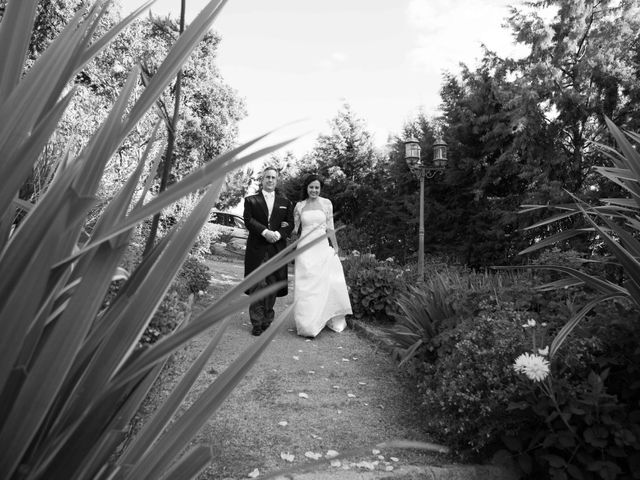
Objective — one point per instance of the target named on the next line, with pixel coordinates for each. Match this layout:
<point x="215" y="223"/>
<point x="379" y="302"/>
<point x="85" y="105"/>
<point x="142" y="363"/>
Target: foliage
<point x="373" y="286"/>
<point x="467" y="389"/>
<point x="347" y="153"/>
<point x="424" y="313"/>
<point x="584" y="420"/>
<point x="171" y="312"/>
<point x="584" y="415"/>
<point x="350" y="238"/>
<point x="72" y="374"/>
<point x="195" y="274"/>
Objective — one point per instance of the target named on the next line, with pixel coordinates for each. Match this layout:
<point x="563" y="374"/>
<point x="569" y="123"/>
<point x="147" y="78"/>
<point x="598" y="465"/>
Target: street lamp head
<point x="440" y="153"/>
<point x="412" y="153"/>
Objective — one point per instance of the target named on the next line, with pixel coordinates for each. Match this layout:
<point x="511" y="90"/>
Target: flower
<point x="355" y="253"/>
<point x="544" y="351"/>
<point x="530" y="323"/>
<point x="535" y="367"/>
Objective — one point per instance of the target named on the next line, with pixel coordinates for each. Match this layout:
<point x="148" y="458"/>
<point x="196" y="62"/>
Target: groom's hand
<point x="271" y="236"/>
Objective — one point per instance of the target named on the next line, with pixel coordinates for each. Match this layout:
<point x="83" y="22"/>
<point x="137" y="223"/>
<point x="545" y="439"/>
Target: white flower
<point x="355" y="253"/>
<point x="544" y="351"/>
<point x="535" y="367"/>
<point x="530" y="323"/>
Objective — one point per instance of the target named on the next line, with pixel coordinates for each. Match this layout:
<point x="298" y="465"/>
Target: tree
<point x="346" y="158"/>
<point x="348" y="147"/>
<point x="486" y="180"/>
<point x="582" y="65"/>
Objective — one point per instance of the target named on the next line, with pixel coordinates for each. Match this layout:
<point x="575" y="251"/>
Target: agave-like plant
<point x="615" y="221"/>
<point x="425" y="312"/>
<point x="72" y="374"/>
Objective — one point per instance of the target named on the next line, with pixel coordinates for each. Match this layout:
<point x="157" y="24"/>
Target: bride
<point x="320" y="288"/>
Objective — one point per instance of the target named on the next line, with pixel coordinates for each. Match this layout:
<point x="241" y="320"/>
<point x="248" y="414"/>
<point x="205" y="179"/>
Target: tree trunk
<point x="168" y="158"/>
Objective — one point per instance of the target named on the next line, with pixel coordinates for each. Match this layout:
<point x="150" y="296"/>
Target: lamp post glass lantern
<point x="422" y="171"/>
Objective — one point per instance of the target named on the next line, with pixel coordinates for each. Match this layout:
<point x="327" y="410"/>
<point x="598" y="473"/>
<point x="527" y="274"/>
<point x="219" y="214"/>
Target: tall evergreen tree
<point x="582" y="65"/>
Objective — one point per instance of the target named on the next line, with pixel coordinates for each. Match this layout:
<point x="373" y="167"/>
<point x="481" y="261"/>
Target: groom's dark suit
<point x="259" y="250"/>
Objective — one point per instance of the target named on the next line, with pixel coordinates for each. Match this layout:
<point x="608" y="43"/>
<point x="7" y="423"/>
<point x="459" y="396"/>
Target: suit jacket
<point x="256" y="220"/>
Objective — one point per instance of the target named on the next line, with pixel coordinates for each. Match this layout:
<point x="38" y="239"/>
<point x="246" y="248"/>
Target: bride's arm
<point x="331" y="232"/>
<point x="296" y="218"/>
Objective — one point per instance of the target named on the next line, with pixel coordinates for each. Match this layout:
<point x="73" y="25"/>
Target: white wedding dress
<point x="320" y="288"/>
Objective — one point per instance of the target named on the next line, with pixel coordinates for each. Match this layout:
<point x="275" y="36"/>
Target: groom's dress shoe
<point x="256" y="331"/>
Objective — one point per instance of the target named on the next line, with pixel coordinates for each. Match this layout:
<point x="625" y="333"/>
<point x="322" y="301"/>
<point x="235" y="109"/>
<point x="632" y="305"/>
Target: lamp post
<point x="424" y="171"/>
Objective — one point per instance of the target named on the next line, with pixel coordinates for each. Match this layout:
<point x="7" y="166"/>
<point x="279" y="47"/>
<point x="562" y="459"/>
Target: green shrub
<point x="373" y="287"/>
<point x="467" y="390"/>
<point x="584" y="417"/>
<point x="424" y="313"/>
<point x="170" y="313"/>
<point x="351" y="238"/>
<point x="195" y="275"/>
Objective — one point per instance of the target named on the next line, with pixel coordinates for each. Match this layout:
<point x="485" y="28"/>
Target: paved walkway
<point x="337" y="394"/>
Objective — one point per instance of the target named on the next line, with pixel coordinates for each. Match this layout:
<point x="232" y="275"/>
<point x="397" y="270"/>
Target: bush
<point x="170" y="313"/>
<point x="373" y="287"/>
<point x="584" y="417"/>
<point x="424" y="313"/>
<point x="467" y="390"/>
<point x="351" y="238"/>
<point x="194" y="276"/>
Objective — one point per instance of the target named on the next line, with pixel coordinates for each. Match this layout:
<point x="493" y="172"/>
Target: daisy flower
<point x="535" y="367"/>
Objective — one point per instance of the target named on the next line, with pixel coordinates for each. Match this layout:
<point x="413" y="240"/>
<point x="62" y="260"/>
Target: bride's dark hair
<point x="311" y="178"/>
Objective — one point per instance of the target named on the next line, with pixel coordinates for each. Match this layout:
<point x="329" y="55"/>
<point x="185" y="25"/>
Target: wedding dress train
<point x="320" y="288"/>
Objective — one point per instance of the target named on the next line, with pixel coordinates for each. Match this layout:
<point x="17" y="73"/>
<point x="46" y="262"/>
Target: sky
<point x="301" y="60"/>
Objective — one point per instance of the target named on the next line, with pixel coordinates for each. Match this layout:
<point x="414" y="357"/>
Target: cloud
<point x="334" y="61"/>
<point x="450" y="32"/>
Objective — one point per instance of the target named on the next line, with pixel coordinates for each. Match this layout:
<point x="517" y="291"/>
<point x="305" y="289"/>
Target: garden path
<point x="338" y="392"/>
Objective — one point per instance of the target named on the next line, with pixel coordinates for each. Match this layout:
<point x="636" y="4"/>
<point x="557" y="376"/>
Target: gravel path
<point x="338" y="392"/>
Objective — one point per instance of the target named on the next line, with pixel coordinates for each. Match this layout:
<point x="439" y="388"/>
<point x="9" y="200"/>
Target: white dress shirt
<point x="269" y="198"/>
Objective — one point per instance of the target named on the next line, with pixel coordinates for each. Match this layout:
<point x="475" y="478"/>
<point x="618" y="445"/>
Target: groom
<point x="269" y="218"/>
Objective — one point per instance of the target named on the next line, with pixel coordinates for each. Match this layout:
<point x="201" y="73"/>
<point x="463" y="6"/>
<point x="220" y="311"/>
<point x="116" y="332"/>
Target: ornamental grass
<point x="72" y="371"/>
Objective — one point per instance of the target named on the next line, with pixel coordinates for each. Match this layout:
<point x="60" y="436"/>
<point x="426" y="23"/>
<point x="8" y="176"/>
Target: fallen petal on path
<point x="313" y="455"/>
<point x="331" y="454"/>
<point x="303" y="395"/>
<point x="367" y="465"/>
<point x="254" y="474"/>
<point x="283" y="423"/>
<point x="287" y="456"/>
